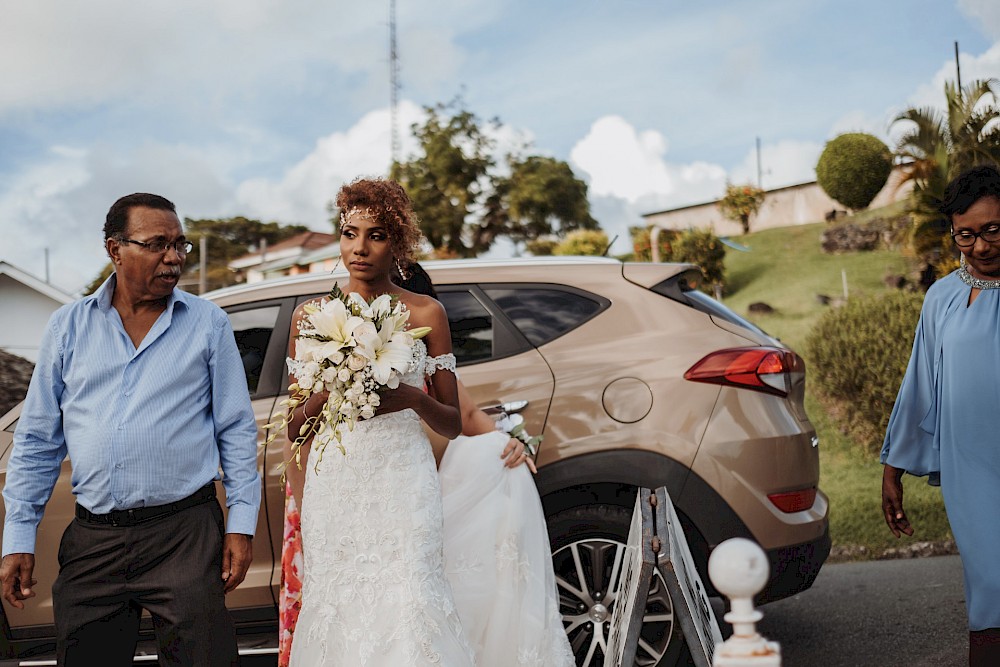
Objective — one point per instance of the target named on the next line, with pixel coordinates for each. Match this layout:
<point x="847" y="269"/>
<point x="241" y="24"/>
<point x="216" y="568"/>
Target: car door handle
<point x="510" y="407"/>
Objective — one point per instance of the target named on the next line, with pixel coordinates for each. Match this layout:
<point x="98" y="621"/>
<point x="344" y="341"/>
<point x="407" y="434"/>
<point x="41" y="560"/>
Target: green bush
<point x="853" y="169"/>
<point x="858" y="354"/>
<point x="583" y="242"/>
<point x="541" y="247"/>
<point x="701" y="247"/>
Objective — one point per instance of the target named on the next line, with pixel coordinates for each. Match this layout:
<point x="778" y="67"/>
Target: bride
<point x="374" y="590"/>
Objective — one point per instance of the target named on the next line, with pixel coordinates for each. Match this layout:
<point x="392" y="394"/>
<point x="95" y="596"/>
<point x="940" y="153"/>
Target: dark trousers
<point x="170" y="566"/>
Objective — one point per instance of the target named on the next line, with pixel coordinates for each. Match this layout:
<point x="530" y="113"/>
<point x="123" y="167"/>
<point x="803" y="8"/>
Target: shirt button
<point x="121" y="427"/>
<point x="118" y="466"/>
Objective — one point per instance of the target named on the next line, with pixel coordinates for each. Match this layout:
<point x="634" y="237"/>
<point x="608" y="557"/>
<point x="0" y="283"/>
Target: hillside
<point x="787" y="269"/>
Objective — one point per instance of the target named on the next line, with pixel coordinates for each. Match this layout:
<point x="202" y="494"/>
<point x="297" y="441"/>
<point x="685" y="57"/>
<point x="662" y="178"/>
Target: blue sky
<point x="263" y="108"/>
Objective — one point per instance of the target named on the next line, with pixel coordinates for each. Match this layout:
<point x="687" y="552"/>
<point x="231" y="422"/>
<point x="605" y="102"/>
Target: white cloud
<point x="783" y="163"/>
<point x="79" y="55"/>
<point x="300" y="196"/>
<point x="987" y="12"/>
<point x="984" y="66"/>
<point x="60" y="203"/>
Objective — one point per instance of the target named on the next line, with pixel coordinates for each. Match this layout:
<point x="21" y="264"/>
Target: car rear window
<point x="543" y="314"/>
<point x="682" y="288"/>
<point x="471" y="326"/>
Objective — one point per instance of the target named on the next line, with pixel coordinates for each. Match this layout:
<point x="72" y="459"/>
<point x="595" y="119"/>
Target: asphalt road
<point x="881" y="613"/>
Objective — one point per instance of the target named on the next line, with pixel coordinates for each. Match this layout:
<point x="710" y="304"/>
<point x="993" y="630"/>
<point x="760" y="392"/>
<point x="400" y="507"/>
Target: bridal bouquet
<point x="350" y="348"/>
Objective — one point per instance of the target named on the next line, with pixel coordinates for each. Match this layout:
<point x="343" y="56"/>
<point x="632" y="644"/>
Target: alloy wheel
<point x="587" y="576"/>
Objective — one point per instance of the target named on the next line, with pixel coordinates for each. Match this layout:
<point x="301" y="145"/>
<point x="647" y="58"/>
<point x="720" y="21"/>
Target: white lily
<point x="334" y="322"/>
<point x="386" y="352"/>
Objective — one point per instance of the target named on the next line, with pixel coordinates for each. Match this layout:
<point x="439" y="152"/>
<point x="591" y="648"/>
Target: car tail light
<point x="768" y="369"/>
<point x="793" y="501"/>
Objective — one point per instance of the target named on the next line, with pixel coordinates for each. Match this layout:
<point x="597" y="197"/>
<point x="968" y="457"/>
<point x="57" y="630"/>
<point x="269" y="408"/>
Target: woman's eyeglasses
<point x="967" y="239"/>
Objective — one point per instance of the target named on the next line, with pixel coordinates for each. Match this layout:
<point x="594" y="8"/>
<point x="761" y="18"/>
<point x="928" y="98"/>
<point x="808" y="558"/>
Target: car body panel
<point x="608" y="394"/>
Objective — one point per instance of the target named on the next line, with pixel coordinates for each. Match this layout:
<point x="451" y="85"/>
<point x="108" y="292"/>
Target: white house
<point x="281" y="259"/>
<point x="800" y="204"/>
<point x="27" y="303"/>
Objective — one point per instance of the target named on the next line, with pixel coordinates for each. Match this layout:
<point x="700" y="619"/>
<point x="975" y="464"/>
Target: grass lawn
<point x="787" y="269"/>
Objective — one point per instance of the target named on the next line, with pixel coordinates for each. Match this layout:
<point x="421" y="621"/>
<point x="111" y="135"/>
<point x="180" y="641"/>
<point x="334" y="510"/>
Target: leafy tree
<point x="583" y="242"/>
<point x="740" y="203"/>
<point x="853" y="168"/>
<point x="464" y="204"/>
<point x="543" y="196"/>
<point x="935" y="147"/>
<point x="450" y="180"/>
<point x="96" y="283"/>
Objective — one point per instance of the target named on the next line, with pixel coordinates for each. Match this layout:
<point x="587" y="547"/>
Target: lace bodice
<point x="422" y="366"/>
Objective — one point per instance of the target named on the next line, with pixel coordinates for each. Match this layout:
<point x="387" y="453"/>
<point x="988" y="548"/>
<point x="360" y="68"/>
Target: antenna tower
<point x="393" y="83"/>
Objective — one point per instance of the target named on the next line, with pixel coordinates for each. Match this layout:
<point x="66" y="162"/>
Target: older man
<point x="142" y="386"/>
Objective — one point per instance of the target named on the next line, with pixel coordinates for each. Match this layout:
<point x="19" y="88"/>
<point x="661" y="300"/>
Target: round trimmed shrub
<point x="854" y="168"/>
<point x="858" y="354"/>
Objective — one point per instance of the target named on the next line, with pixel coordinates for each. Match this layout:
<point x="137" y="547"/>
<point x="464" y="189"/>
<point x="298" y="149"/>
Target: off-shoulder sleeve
<point x="441" y="362"/>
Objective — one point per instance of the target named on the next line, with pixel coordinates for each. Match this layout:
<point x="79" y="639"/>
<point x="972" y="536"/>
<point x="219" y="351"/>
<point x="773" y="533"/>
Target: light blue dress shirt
<point x="142" y="426"/>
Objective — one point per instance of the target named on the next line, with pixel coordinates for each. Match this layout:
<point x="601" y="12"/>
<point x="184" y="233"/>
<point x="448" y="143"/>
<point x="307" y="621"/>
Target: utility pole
<point x="760" y="178"/>
<point x="958" y="69"/>
<point x="393" y="83"/>
<point x="202" y="264"/>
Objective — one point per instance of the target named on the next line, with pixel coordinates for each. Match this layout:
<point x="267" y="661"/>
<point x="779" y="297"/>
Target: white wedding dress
<point x="497" y="557"/>
<point x="374" y="591"/>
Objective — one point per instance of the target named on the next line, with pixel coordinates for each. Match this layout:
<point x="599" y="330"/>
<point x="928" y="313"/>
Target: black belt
<point x="141" y="514"/>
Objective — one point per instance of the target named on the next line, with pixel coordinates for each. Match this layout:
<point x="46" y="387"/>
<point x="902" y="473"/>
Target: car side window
<point x="543" y="314"/>
<point x="471" y="326"/>
<point x="253" y="328"/>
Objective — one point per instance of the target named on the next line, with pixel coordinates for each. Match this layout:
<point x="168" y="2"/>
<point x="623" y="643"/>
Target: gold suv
<point x="635" y="378"/>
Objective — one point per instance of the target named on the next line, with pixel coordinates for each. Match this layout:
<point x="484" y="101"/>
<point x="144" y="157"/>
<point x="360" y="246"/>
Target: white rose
<point x="311" y="369"/>
<point x="367" y="411"/>
<point x="374" y="400"/>
<point x="356" y="362"/>
<point x="336" y="358"/>
<point x="344" y="375"/>
<point x="329" y="374"/>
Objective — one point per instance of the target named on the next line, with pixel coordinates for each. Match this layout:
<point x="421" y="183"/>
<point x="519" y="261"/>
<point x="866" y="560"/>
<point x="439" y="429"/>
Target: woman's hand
<point x="514" y="454"/>
<point x="402" y="397"/>
<point x="892" y="501"/>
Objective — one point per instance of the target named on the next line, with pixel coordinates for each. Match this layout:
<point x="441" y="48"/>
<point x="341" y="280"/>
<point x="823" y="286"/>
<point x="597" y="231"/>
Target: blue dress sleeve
<point x="910" y="438"/>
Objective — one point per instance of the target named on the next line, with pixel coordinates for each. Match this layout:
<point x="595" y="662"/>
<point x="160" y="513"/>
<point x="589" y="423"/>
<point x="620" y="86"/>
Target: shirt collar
<point x="102" y="297"/>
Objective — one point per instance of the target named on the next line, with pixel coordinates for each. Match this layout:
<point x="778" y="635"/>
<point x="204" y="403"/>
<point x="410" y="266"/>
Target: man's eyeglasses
<point x="967" y="239"/>
<point x="160" y="246"/>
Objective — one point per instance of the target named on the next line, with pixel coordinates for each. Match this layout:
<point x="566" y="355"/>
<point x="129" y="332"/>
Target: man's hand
<point x="892" y="501"/>
<point x="514" y="454"/>
<point x="237" y="552"/>
<point x="16" y="576"/>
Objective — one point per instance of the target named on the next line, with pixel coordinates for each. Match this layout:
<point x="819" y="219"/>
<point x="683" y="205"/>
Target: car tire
<point x="591" y="539"/>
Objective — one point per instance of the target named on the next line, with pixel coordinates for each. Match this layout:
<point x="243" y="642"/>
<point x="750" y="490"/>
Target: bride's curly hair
<point x="386" y="202"/>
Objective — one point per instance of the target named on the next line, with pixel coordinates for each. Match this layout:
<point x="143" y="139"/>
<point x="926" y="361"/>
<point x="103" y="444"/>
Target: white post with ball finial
<point x="739" y="569"/>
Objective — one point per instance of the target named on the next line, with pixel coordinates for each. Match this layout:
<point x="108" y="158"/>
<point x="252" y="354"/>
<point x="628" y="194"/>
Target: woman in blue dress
<point x="946" y="421"/>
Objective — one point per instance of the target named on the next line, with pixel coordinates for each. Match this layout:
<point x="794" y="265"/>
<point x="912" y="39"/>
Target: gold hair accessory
<point x="357" y="210"/>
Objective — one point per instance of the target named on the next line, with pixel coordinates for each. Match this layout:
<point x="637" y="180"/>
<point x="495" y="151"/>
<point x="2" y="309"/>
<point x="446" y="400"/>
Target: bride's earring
<point x="399" y="268"/>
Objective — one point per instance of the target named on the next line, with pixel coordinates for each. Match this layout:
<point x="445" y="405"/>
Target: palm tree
<point x="938" y="146"/>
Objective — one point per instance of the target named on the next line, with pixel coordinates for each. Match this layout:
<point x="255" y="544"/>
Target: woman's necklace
<point x="972" y="281"/>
